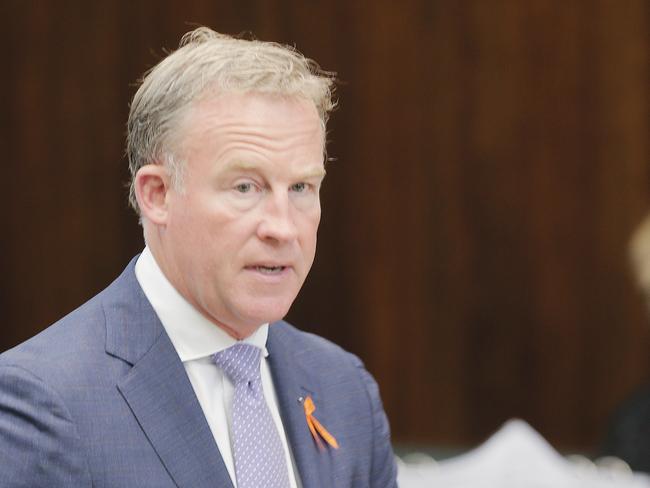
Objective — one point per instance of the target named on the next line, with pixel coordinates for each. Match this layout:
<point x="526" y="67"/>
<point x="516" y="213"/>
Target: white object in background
<point x="514" y="457"/>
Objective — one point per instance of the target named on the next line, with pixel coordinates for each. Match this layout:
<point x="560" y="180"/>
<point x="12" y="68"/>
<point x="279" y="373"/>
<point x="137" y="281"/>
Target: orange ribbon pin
<point x="316" y="427"/>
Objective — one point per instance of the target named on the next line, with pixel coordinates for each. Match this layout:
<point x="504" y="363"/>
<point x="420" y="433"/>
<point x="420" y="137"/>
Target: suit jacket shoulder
<point x="40" y="440"/>
<point x="63" y="351"/>
<point x="101" y="397"/>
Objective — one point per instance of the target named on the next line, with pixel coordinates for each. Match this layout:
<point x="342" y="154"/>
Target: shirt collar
<point x="192" y="334"/>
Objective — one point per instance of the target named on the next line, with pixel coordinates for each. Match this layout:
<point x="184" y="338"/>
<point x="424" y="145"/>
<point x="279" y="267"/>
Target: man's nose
<point x="277" y="220"/>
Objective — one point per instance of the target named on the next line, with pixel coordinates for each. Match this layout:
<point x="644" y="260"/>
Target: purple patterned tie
<point x="258" y="452"/>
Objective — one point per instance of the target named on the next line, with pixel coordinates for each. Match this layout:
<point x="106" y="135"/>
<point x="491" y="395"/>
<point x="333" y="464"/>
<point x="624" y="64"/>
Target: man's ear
<point x="152" y="183"/>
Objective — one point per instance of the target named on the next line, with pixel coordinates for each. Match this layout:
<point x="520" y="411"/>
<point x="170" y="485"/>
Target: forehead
<point x="271" y="115"/>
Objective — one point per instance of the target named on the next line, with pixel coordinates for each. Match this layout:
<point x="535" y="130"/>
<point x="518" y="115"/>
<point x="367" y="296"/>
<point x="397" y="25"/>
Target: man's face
<point x="240" y="235"/>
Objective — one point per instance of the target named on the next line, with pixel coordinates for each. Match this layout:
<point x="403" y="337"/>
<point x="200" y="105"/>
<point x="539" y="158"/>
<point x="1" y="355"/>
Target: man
<point x="181" y="373"/>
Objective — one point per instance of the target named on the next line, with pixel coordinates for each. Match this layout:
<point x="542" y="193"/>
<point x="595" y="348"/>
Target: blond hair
<point x="207" y="60"/>
<point x="640" y="254"/>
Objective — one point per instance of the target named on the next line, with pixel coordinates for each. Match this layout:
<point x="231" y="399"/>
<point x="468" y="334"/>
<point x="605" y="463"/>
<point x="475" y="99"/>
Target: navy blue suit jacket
<point x="102" y="399"/>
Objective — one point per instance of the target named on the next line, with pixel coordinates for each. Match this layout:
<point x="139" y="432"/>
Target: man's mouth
<point x="268" y="269"/>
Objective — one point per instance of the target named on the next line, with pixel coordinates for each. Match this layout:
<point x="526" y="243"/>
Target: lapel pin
<point x="315" y="427"/>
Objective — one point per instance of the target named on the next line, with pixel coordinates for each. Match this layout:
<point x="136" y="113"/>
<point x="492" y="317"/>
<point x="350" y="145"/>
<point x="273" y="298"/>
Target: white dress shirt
<point x="196" y="339"/>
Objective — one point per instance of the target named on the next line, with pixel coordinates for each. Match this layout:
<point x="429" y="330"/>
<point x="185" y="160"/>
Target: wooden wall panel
<point x="492" y="160"/>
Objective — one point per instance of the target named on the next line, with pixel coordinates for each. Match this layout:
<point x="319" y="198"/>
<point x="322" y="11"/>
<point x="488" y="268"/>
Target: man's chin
<point x="255" y="317"/>
<point x="266" y="316"/>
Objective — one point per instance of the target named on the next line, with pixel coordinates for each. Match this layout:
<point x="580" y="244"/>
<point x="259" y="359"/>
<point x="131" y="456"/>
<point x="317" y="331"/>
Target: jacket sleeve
<point x="39" y="445"/>
<point x="383" y="471"/>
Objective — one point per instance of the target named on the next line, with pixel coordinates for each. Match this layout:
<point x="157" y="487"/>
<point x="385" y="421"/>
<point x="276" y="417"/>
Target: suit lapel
<point x="158" y="390"/>
<point x="293" y="383"/>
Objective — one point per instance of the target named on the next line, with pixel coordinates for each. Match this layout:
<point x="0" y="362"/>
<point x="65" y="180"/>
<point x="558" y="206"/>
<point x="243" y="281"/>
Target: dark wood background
<point x="493" y="159"/>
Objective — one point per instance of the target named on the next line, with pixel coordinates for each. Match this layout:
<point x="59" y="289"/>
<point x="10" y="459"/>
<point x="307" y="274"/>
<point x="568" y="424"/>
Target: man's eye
<point x="299" y="187"/>
<point x="244" y="187"/>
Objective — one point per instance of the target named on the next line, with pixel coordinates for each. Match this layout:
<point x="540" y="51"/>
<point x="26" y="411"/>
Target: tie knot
<point x="240" y="363"/>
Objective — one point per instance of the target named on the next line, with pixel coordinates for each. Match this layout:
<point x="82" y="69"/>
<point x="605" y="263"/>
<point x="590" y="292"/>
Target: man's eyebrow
<point x="238" y="164"/>
<point x="314" y="173"/>
<point x="243" y="165"/>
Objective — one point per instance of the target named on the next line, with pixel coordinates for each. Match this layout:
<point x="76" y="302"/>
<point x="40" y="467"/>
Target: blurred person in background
<point x="628" y="436"/>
